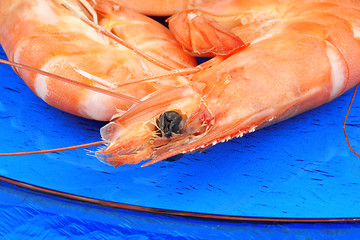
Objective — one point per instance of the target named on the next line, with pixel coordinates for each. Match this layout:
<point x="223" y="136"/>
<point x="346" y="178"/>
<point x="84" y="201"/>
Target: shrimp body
<point x="212" y="27"/>
<point x="45" y="35"/>
<point x="306" y="57"/>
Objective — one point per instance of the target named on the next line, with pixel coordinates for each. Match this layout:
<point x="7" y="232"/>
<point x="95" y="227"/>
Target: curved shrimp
<point x="202" y="26"/>
<point x="307" y="54"/>
<point x="46" y="35"/>
<point x="205" y="28"/>
<point x="221" y="27"/>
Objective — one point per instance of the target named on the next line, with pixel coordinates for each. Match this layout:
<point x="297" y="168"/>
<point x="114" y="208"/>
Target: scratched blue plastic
<point x="29" y="215"/>
<point x="299" y="168"/>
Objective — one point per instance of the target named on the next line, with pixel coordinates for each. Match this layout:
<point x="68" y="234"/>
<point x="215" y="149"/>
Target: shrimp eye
<point x="170" y="122"/>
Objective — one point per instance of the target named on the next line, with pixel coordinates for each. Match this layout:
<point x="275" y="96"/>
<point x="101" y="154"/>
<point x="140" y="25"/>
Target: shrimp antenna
<point x="176" y="72"/>
<point x="344" y="124"/>
<point x="91" y="10"/>
<point x="53" y="150"/>
<point x="118" y="40"/>
<point x="75" y="83"/>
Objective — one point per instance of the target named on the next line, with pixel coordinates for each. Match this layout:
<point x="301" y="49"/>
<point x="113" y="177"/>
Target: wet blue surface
<point x="300" y="168"/>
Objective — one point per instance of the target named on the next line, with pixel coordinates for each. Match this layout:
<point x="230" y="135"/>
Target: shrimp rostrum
<point x="300" y="56"/>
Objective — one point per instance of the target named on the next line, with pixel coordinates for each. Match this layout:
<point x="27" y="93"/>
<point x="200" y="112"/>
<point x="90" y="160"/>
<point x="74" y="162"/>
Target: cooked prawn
<point x="301" y="55"/>
<point x="306" y="54"/>
<point x="48" y="35"/>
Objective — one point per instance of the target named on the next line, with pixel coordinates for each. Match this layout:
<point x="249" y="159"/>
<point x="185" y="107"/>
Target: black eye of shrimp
<point x="169" y="122"/>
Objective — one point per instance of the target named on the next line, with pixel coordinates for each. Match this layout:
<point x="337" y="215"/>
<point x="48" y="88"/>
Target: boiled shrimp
<point x="50" y="35"/>
<point x="302" y="54"/>
<point x="306" y="54"/>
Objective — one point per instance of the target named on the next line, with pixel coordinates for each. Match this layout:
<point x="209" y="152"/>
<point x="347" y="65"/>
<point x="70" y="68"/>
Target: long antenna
<point x="176" y="72"/>
<point x="344" y="124"/>
<point x="75" y="83"/>
<point x="53" y="150"/>
<point x="118" y="40"/>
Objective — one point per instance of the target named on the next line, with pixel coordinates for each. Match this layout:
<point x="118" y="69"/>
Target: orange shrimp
<point x="203" y="35"/>
<point x="50" y="36"/>
<point x="220" y="27"/>
<point x="212" y="27"/>
<point x="301" y="55"/>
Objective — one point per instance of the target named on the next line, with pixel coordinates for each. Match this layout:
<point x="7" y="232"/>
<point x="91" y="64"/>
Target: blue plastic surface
<point x="29" y="215"/>
<point x="300" y="168"/>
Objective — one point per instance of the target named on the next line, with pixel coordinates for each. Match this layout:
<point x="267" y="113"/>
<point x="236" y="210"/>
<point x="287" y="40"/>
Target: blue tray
<point x="297" y="170"/>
